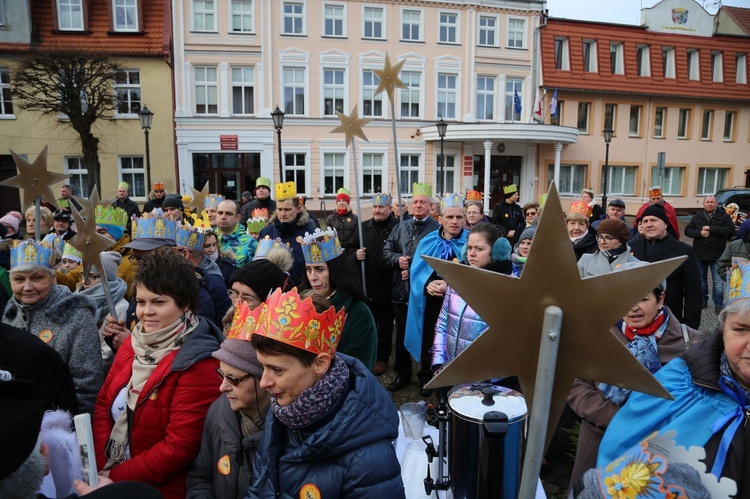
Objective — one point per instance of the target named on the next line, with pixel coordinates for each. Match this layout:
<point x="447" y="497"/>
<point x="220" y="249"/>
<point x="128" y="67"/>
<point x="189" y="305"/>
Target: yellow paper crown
<point x="286" y="190"/>
<point x="201" y="223"/>
<point x="510" y="189"/>
<point x="421" y="189"/>
<point x="474" y="196"/>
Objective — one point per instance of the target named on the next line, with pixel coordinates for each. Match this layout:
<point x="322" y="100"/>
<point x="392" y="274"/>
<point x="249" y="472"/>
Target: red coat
<point x="167" y="424"/>
<point x="671" y="216"/>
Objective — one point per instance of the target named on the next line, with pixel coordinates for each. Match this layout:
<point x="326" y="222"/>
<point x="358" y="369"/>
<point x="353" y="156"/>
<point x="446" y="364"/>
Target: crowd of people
<point x="235" y="352"/>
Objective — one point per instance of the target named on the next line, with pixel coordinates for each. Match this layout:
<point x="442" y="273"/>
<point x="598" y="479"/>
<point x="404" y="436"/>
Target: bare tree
<point x="76" y="84"/>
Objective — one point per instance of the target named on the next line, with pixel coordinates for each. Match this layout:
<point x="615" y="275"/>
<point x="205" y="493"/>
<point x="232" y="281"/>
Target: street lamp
<point x="607" y="139"/>
<point x="442" y="127"/>
<point x="146" y="117"/>
<point x="278" y="122"/>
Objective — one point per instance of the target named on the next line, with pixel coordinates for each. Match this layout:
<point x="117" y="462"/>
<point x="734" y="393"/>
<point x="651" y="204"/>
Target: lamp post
<point x="442" y="127"/>
<point x="607" y="139"/>
<point x="146" y="118"/>
<point x="278" y="123"/>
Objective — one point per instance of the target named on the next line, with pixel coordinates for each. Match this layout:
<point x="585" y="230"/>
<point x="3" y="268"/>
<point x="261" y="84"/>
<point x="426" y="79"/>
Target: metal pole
<point x="442" y="166"/>
<point x="606" y="174"/>
<point x="359" y="211"/>
<point x="148" y="163"/>
<point x="281" y="158"/>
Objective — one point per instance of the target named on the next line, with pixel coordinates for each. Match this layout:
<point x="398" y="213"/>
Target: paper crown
<point x="293" y="321"/>
<point x="123" y="185"/>
<point x="582" y="208"/>
<point x="266" y="244"/>
<point x="286" y="190"/>
<point x="158" y="186"/>
<point x="510" y="189"/>
<point x="71" y="253"/>
<point x="245" y="321"/>
<point x="263" y="182"/>
<point x="109" y="215"/>
<point x="654" y="190"/>
<point x="421" y="189"/>
<point x="474" y="196"/>
<point x="30" y="252"/>
<point x="152" y="225"/>
<point x="260" y="213"/>
<point x="738" y="280"/>
<point x="321" y="245"/>
<point x="451" y="200"/>
<point x="201" y="223"/>
<point x="190" y="237"/>
<point x="56" y="242"/>
<point x="212" y="201"/>
<point x="255" y="225"/>
<point x="381" y="199"/>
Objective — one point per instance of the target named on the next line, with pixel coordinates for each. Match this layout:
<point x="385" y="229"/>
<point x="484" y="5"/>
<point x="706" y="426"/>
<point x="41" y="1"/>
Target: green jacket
<point x="239" y="244"/>
<point x="360" y="336"/>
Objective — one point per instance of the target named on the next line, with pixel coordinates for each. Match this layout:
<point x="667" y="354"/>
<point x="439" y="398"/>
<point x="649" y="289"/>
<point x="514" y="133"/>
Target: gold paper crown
<point x="245" y="321"/>
<point x="474" y="196"/>
<point x="201" y="223"/>
<point x="510" y="189"/>
<point x="291" y="320"/>
<point x="654" y="190"/>
<point x="421" y="189"/>
<point x="286" y="190"/>
<point x="581" y="207"/>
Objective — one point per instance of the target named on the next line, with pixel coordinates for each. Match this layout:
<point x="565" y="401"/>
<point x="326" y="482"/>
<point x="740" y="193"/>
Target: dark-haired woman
<point x="149" y="415"/>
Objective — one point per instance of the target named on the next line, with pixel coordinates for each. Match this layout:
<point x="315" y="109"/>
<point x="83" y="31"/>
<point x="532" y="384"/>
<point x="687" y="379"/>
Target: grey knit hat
<point x="528" y="233"/>
<point x="111" y="260"/>
<point x="241" y="355"/>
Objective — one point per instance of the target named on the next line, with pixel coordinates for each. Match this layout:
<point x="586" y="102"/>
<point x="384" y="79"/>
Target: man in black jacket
<point x="123" y="201"/>
<point x="508" y="215"/>
<point x="710" y="229"/>
<point x="682" y="295"/>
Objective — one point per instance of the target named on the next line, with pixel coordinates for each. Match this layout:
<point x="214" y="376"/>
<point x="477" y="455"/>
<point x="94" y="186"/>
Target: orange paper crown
<point x="582" y="208"/>
<point x="654" y="191"/>
<point x="474" y="196"/>
<point x="245" y="321"/>
<point x="294" y="321"/>
<point x="260" y="213"/>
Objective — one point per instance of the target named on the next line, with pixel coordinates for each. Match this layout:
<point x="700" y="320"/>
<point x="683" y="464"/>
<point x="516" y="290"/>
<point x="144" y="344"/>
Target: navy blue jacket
<point x="288" y="233"/>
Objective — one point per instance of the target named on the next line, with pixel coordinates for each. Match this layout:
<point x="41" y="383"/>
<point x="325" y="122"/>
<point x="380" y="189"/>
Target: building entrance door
<point x="228" y="174"/>
<point x="504" y="170"/>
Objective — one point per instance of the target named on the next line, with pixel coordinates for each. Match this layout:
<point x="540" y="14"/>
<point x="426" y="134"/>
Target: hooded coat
<point x="288" y="232"/>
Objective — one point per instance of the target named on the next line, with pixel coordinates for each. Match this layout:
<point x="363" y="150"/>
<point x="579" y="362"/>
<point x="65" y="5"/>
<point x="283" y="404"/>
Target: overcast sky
<point x="617" y="11"/>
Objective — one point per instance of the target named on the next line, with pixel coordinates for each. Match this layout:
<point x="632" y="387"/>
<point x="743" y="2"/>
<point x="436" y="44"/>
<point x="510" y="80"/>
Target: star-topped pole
<point x="88" y="206"/>
<point x="199" y="197"/>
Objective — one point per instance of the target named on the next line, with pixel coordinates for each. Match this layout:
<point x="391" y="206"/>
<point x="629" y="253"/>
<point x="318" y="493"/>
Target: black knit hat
<point x="173" y="201"/>
<point x="656" y="210"/>
<point x="261" y="276"/>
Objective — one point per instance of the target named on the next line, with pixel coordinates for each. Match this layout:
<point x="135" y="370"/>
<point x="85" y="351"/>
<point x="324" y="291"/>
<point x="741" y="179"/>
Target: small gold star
<point x="89" y="242"/>
<point x="389" y="77"/>
<point x="34" y="179"/>
<point x="514" y="310"/>
<point x="351" y="125"/>
<point x="198" y="197"/>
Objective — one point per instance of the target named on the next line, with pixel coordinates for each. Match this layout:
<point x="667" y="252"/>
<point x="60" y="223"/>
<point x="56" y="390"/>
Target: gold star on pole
<point x="389" y="79"/>
<point x="88" y="206"/>
<point x="514" y="311"/>
<point x="34" y="179"/>
<point x="89" y="242"/>
<point x="198" y="197"/>
<point x="351" y="126"/>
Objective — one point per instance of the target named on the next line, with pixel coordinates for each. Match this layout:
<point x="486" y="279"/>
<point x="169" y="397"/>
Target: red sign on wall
<point x="228" y="142"/>
<point x="468" y="165"/>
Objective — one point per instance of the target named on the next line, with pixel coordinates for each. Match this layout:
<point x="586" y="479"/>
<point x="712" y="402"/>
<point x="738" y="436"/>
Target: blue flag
<point x="516" y="101"/>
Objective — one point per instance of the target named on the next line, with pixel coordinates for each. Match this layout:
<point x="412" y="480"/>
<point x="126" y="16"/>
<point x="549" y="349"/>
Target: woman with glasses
<point x="150" y="412"/>
<point x="612" y="237"/>
<point x="475" y="214"/>
<point x="530" y="213"/>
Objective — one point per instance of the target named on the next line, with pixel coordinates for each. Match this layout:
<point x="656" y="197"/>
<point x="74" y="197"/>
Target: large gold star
<point x="89" y="242"/>
<point x="198" y="197"/>
<point x="34" y="179"/>
<point x="351" y="125"/>
<point x="514" y="310"/>
<point x="389" y="79"/>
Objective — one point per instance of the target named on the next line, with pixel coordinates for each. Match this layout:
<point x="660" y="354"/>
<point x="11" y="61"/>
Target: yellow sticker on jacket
<point x="153" y="395"/>
<point x="46" y="336"/>
<point x="309" y="491"/>
<point x="224" y="465"/>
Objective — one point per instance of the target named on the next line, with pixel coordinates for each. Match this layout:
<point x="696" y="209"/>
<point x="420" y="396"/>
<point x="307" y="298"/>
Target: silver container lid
<point x="472" y="402"/>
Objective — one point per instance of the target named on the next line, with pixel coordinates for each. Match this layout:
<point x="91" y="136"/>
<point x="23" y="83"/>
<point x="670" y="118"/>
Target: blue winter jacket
<point x="346" y="454"/>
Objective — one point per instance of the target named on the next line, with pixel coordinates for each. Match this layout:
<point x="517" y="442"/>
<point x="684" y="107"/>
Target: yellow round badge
<point x="309" y="491"/>
<point x="348" y="219"/>
<point x="224" y="465"/>
<point x="46" y="336"/>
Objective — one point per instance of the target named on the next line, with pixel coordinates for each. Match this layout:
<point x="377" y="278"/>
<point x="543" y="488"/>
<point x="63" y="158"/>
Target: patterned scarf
<point x="314" y="402"/>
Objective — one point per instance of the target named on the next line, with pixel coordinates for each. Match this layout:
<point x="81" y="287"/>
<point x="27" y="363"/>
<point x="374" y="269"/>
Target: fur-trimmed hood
<point x="302" y="217"/>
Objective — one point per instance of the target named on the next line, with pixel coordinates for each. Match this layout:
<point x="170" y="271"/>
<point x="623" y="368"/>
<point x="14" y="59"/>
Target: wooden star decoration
<point x="351" y="126"/>
<point x="89" y="242"/>
<point x="198" y="197"/>
<point x="514" y="311"/>
<point x="34" y="179"/>
<point x="88" y="206"/>
<point x="389" y="79"/>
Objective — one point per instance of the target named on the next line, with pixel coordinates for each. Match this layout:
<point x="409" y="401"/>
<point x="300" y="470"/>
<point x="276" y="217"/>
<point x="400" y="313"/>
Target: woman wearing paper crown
<point x="583" y="239"/>
<point x="331" y="275"/>
<point x="235" y="421"/>
<point x="63" y="320"/>
<point x="332" y="423"/>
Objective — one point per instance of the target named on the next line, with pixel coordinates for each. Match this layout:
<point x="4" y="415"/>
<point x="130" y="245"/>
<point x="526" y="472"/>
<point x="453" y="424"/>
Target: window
<point x="295" y="171"/>
<point x="204" y="15"/>
<point x="711" y="180"/>
<point x="488" y="35"/>
<point x="729" y="119"/>
<point x="373" y="19"/>
<point x="372" y="173"/>
<point x="589" y="56"/>
<point x="132" y="172"/>
<point x="660" y="118"/>
<point x="513" y="87"/>
<point x="126" y="15"/>
<point x="6" y="104"/>
<point x="243" y="90"/>
<point x="572" y="179"/>
<point x="333" y="20"/>
<point x="683" y="124"/>
<point x="692" y="65"/>
<point x="643" y="60"/>
<point x="372" y="104"/>
<point x="70" y="15"/>
<point x="485" y="97"/>
<point x="128" y="92"/>
<point x="294" y="91"/>
<point x="333" y="91"/>
<point x="333" y="173"/>
<point x="667" y="59"/>
<point x="293" y="18"/>
<point x="3" y="17"/>
<point x="741" y="68"/>
<point x="447" y="91"/>
<point x="410" y="97"/>
<point x="621" y="180"/>
<point x="409" y="172"/>
<point x="411" y="25"/>
<point x="516" y="33"/>
<point x="634" y="129"/>
<point x="670" y="179"/>
<point x="445" y="184"/>
<point x="79" y="176"/>
<point x="707" y="124"/>
<point x="448" y="27"/>
<point x="610" y="116"/>
<point x="616" y="65"/>
<point x="242" y="16"/>
<point x="206" y="90"/>
<point x="557" y="118"/>
<point x="583" y="116"/>
<point x="561" y="53"/>
<point x="717" y="69"/>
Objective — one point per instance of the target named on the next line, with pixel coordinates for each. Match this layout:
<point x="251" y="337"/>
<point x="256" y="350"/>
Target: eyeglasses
<point x="232" y="380"/>
<point x="605" y="238"/>
<point x="234" y="296"/>
<point x="530" y="213"/>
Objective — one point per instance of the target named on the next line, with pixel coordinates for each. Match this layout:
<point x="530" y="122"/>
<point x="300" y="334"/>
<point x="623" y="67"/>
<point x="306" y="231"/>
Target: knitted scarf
<point x="116" y="286"/>
<point x="314" y="402"/>
<point x="150" y="349"/>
